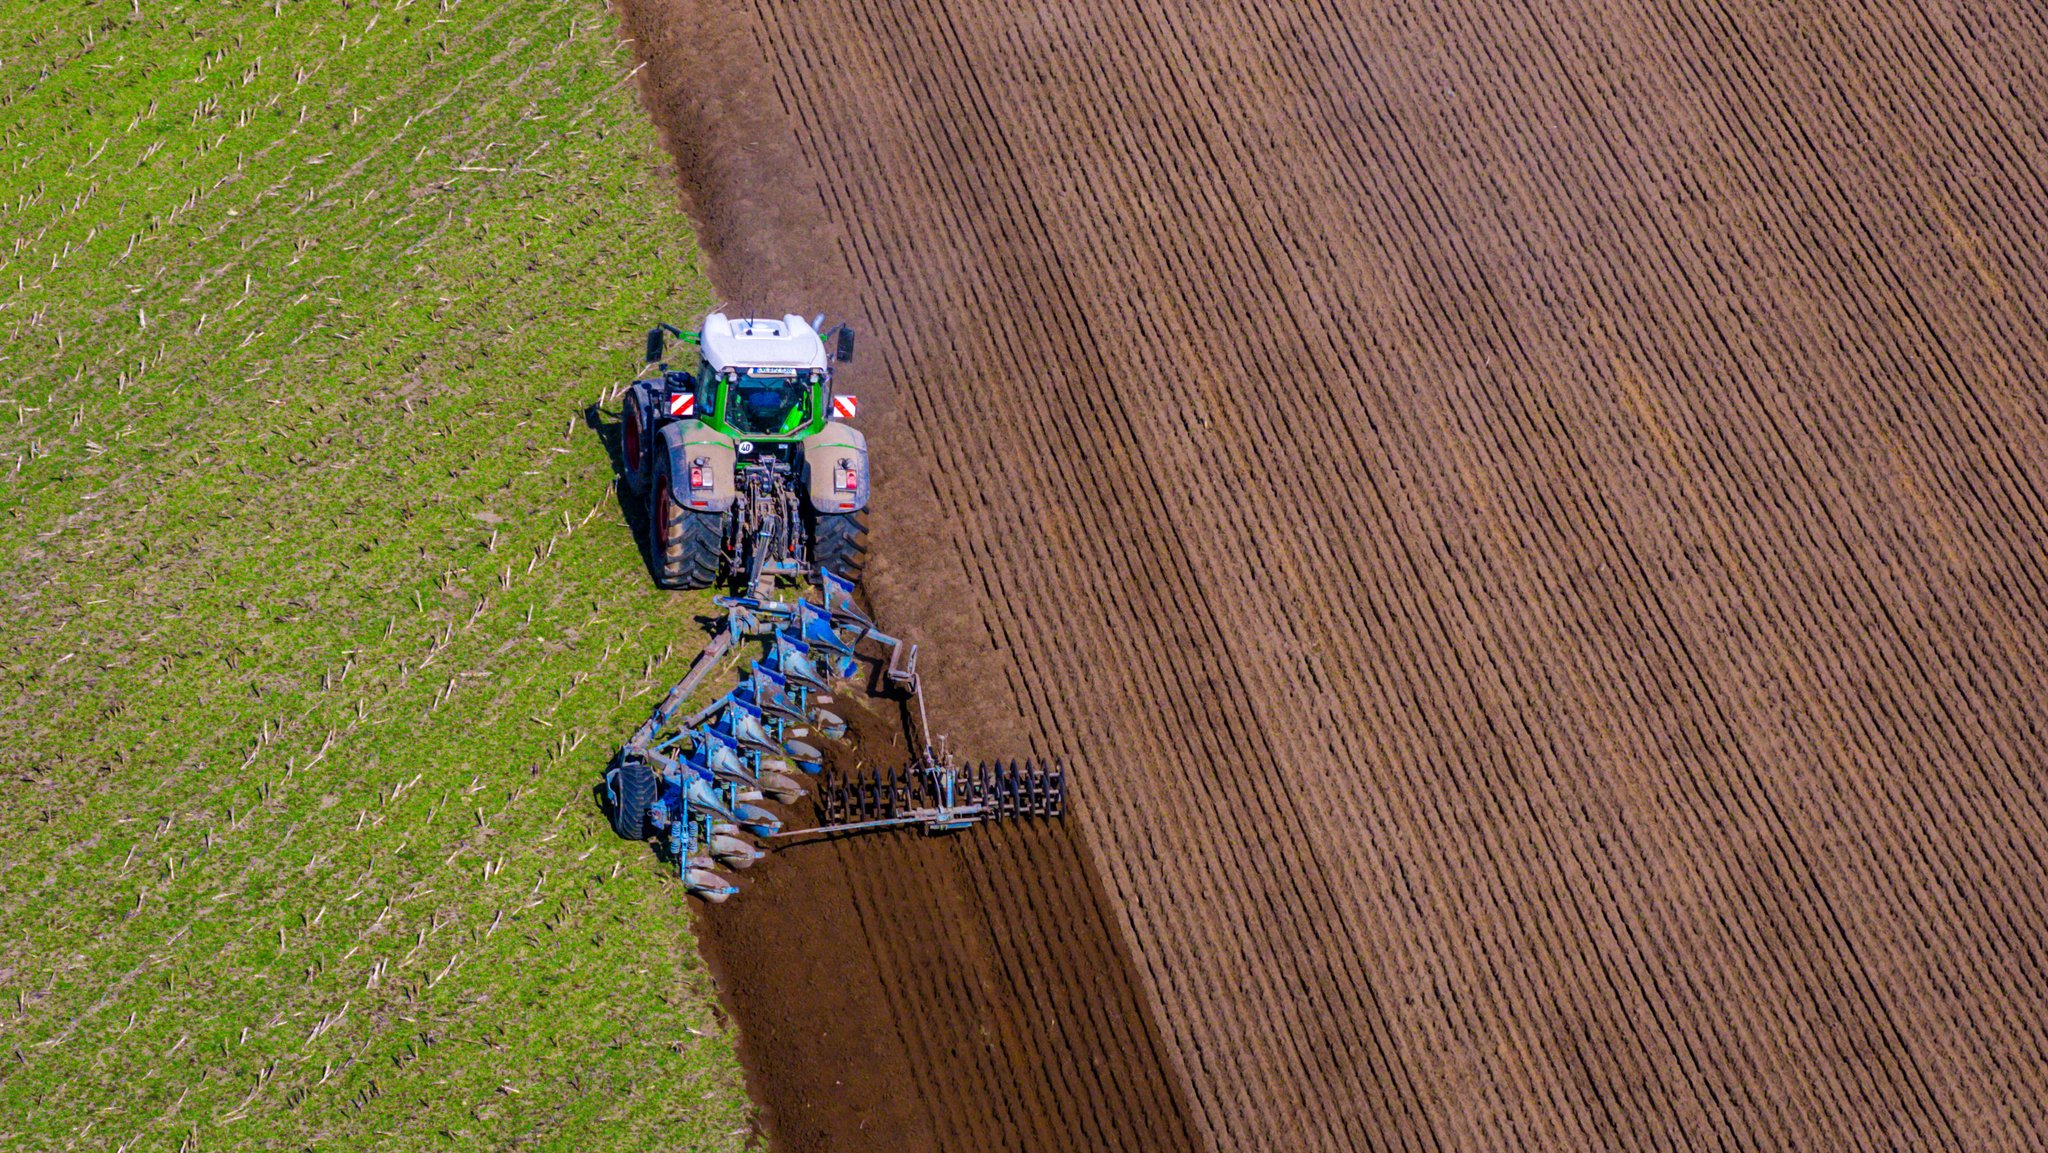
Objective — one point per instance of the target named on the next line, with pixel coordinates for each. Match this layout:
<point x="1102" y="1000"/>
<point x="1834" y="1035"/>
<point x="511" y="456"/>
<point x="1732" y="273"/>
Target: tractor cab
<point x="766" y="402"/>
<point x="762" y="378"/>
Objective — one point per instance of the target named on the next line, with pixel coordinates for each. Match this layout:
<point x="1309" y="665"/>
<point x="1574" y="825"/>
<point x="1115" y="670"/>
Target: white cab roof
<point x="741" y="342"/>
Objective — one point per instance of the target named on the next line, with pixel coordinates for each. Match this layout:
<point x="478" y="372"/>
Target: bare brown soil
<point x="1527" y="527"/>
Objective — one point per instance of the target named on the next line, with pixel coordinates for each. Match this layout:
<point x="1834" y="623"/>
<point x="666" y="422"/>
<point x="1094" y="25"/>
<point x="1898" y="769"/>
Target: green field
<point x="321" y="618"/>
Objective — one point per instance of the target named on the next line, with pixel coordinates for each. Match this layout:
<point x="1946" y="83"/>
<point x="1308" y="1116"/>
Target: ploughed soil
<point x="1526" y="527"/>
<point x="894" y="992"/>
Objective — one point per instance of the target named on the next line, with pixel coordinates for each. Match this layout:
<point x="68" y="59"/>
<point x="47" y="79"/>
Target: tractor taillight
<point x="700" y="473"/>
<point x="845" y="478"/>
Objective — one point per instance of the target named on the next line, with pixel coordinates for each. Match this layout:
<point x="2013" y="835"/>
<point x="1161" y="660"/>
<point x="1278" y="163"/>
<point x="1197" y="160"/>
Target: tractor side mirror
<point x="845" y="351"/>
<point x="657" y="342"/>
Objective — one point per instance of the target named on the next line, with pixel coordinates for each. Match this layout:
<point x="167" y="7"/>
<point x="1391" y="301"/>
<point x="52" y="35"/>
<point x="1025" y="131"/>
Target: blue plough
<point x="696" y="779"/>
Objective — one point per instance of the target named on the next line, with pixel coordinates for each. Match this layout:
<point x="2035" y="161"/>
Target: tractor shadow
<point x="632" y="509"/>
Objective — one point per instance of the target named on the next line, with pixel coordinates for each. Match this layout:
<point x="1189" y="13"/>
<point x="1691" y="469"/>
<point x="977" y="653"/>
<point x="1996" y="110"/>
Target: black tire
<point x="688" y="546"/>
<point x="635" y="786"/>
<point x="637" y="436"/>
<point x="839" y="542"/>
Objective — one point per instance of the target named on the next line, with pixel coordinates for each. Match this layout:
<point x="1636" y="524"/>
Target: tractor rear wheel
<point x="688" y="546"/>
<point x="635" y="438"/>
<point x="839" y="542"/>
<point x="634" y="786"/>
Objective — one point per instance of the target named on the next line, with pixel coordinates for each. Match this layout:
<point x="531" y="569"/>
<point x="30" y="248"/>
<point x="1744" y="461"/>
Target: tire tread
<point x="839" y="542"/>
<point x="688" y="546"/>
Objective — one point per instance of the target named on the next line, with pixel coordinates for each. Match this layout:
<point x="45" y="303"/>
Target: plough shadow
<point x="892" y="697"/>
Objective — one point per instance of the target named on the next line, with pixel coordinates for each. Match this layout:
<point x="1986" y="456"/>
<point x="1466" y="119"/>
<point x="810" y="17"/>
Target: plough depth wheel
<point x="633" y="790"/>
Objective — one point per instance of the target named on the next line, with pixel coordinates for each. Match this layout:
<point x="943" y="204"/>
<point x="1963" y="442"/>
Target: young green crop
<point x="321" y="616"/>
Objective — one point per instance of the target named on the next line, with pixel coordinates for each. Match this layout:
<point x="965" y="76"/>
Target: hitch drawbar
<point x="697" y="779"/>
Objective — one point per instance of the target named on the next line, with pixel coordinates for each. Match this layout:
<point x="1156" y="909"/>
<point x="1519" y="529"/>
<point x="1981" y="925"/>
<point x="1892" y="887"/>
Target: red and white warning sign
<point x="684" y="404"/>
<point x="845" y="407"/>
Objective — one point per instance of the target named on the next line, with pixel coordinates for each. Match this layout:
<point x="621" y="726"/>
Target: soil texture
<point x="1524" y="525"/>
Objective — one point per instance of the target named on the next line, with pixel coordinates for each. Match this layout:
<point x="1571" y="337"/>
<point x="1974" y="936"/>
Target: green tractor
<point x="747" y="466"/>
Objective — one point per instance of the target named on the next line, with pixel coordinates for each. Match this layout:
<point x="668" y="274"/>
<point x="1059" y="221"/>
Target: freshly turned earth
<point x="1525" y="527"/>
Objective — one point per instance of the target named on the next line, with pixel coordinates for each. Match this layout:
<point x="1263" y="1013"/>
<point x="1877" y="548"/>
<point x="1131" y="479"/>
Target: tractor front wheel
<point x="839" y="543"/>
<point x="689" y="546"/>
<point x="636" y="439"/>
